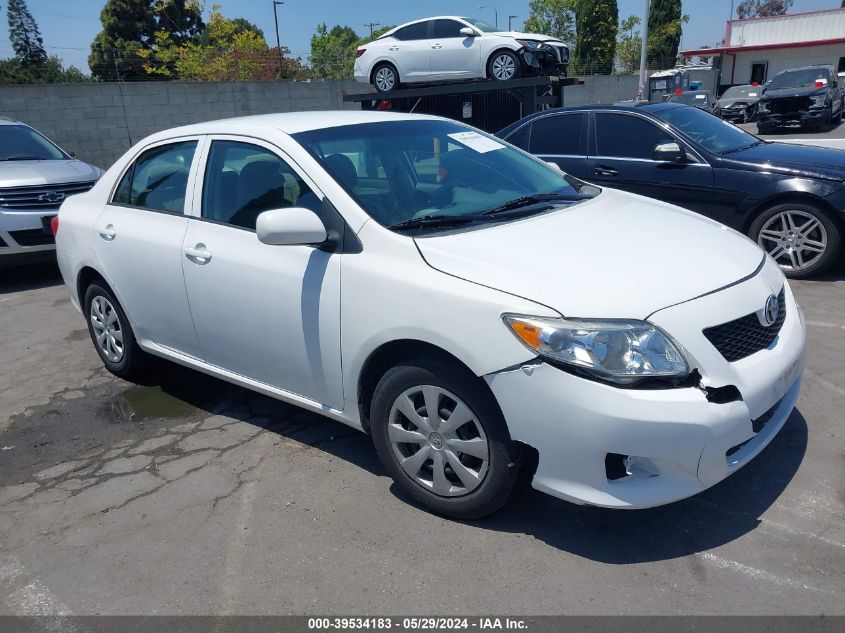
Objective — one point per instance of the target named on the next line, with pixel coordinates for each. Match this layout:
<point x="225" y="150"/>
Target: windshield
<point x="481" y="25"/>
<point x="690" y="98"/>
<point x="712" y="133"/>
<point x="798" y="78"/>
<point x="741" y="91"/>
<point x="19" y="142"/>
<point x="399" y="171"/>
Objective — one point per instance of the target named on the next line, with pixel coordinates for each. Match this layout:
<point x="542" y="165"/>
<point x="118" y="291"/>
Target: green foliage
<point x="227" y="51"/>
<point x="629" y="46"/>
<point x="664" y="33"/>
<point x="333" y="52"/>
<point x="552" y="17"/>
<point x="379" y="32"/>
<point x="241" y="25"/>
<point x="763" y="8"/>
<point x="130" y="26"/>
<point x="48" y="72"/>
<point x="596" y="25"/>
<point x="24" y="34"/>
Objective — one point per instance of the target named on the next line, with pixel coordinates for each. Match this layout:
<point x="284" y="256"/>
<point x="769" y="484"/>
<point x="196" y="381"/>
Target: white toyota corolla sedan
<point x="481" y="314"/>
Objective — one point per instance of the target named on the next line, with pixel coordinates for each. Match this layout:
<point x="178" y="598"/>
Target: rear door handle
<point x="437" y="46"/>
<point x="605" y="171"/>
<point x="393" y="48"/>
<point x="107" y="232"/>
<point x="198" y="254"/>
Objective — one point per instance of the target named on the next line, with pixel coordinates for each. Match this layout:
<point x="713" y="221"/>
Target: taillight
<point x="383" y="105"/>
<point x="360" y="52"/>
<point x="54" y="225"/>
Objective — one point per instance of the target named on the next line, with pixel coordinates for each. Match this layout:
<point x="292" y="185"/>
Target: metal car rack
<point x="488" y="105"/>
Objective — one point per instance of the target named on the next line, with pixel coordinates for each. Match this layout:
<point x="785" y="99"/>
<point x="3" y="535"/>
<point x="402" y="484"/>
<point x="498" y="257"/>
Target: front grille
<point x="791" y="105"/>
<point x="562" y="54"/>
<point x="40" y="196"/>
<point x="32" y="237"/>
<point x="745" y="336"/>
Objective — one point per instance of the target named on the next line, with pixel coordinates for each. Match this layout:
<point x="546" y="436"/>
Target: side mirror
<point x="467" y="32"/>
<point x="669" y="152"/>
<point x="553" y="165"/>
<point x="290" y="226"/>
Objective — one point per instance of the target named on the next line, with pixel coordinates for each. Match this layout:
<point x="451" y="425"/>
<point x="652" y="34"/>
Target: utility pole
<point x="495" y="13"/>
<point x="642" y="90"/>
<point x="371" y="25"/>
<point x="511" y="17"/>
<point x="278" y="41"/>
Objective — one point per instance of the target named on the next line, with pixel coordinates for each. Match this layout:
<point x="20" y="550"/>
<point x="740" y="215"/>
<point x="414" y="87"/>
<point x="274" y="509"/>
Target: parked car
<point x="468" y="305"/>
<point x="451" y="48"/>
<point x="801" y="97"/>
<point x="701" y="99"/>
<point x="790" y="199"/>
<point x="36" y="176"/>
<point x="739" y="103"/>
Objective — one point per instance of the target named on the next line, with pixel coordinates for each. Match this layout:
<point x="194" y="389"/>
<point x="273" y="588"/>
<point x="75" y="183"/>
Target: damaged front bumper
<point x="637" y="448"/>
<point x="548" y="59"/>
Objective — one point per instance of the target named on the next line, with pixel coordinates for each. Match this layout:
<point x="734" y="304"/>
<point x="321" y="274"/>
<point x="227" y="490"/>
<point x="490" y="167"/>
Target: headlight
<point x="531" y="45"/>
<point x="618" y="351"/>
<point x="819" y="100"/>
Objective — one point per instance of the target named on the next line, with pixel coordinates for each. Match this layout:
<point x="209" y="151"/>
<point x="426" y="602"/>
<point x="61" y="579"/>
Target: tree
<point x="241" y="25"/>
<point x="379" y="32"/>
<point x="552" y="17"/>
<point x="182" y="19"/>
<point x="629" y="46"/>
<point x="24" y="34"/>
<point x="48" y="72"/>
<point x="665" y="21"/>
<point x="596" y="26"/>
<point x="333" y="52"/>
<point x="762" y="8"/>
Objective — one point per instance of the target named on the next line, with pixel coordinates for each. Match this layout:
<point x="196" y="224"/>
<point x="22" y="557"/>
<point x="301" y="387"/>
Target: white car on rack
<point x="36" y="176"/>
<point x="480" y="313"/>
<point x="449" y="48"/>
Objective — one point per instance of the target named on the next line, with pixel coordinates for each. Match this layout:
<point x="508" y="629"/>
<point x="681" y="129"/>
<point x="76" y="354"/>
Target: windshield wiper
<point x="22" y="158"/>
<point x="739" y="149"/>
<point x="537" y="198"/>
<point x="428" y="221"/>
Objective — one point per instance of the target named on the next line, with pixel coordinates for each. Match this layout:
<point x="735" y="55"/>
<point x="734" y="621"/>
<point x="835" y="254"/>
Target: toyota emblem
<point x="771" y="311"/>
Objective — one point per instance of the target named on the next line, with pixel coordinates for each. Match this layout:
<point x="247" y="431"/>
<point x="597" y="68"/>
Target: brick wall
<point x="98" y="122"/>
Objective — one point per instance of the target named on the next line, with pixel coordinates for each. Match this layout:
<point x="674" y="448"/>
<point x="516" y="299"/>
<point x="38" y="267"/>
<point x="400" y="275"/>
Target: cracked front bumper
<point x="685" y="442"/>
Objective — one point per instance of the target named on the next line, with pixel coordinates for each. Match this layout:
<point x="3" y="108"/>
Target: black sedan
<point x="790" y="199"/>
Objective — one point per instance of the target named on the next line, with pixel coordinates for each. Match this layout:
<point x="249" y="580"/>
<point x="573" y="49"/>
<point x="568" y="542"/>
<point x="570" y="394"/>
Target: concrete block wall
<point x="602" y="89"/>
<point x="100" y="121"/>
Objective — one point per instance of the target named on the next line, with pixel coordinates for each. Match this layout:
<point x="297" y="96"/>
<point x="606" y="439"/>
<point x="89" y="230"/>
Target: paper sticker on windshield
<point x="476" y="141"/>
<point x="752" y="94"/>
<point x="699" y="96"/>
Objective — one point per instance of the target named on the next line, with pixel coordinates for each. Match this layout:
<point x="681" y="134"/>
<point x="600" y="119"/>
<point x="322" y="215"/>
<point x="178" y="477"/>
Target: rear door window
<point x="418" y="31"/>
<point x="158" y="179"/>
<point x="558" y="134"/>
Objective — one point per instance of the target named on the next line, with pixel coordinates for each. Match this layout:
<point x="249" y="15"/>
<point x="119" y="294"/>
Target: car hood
<point x="615" y="256"/>
<point x="537" y="37"/>
<point x="792" y="159"/>
<point x="784" y="93"/>
<point x="23" y="173"/>
<point x="729" y="103"/>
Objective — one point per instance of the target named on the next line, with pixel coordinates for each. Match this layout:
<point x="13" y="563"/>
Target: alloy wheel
<point x="504" y="67"/>
<point x="108" y="332"/>
<point x="794" y="239"/>
<point x="385" y="79"/>
<point x="438" y="441"/>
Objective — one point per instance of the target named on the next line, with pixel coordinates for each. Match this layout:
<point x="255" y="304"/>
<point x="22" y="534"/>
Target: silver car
<point x="35" y="178"/>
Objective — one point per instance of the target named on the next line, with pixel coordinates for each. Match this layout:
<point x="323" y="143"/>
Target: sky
<point x="68" y="27"/>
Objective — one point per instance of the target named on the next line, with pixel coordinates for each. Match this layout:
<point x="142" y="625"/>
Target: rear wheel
<point x="503" y="66"/>
<point x="112" y="335"/>
<point x="800" y="237"/>
<point x="442" y="439"/>
<point x="385" y="78"/>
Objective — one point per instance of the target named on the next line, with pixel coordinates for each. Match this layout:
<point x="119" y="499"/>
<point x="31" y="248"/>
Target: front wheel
<point x="503" y="66"/>
<point x="443" y="440"/>
<point x="800" y="237"/>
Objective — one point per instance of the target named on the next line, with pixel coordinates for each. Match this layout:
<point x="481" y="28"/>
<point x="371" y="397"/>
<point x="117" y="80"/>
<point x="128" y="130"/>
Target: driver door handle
<point x="107" y="232"/>
<point x="605" y="171"/>
<point x="198" y="254"/>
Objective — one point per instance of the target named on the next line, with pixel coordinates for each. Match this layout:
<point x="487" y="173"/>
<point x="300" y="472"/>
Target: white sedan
<point x="478" y="312"/>
<point x="450" y="48"/>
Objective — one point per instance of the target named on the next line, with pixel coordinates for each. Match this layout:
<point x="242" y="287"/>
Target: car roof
<point x="692" y="92"/>
<point x="650" y="107"/>
<point x="4" y="120"/>
<point x="288" y="122"/>
<point x="810" y="67"/>
<point x="434" y="17"/>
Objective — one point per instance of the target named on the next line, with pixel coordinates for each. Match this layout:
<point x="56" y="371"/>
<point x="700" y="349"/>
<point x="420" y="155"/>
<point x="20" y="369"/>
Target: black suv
<point x="810" y="96"/>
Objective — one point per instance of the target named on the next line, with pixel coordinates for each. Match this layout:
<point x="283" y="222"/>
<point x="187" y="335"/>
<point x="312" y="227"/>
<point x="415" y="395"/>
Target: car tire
<point x="112" y="335"/>
<point x="815" y="247"/>
<point x="385" y="77"/>
<point x="504" y="65"/>
<point x="480" y="482"/>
